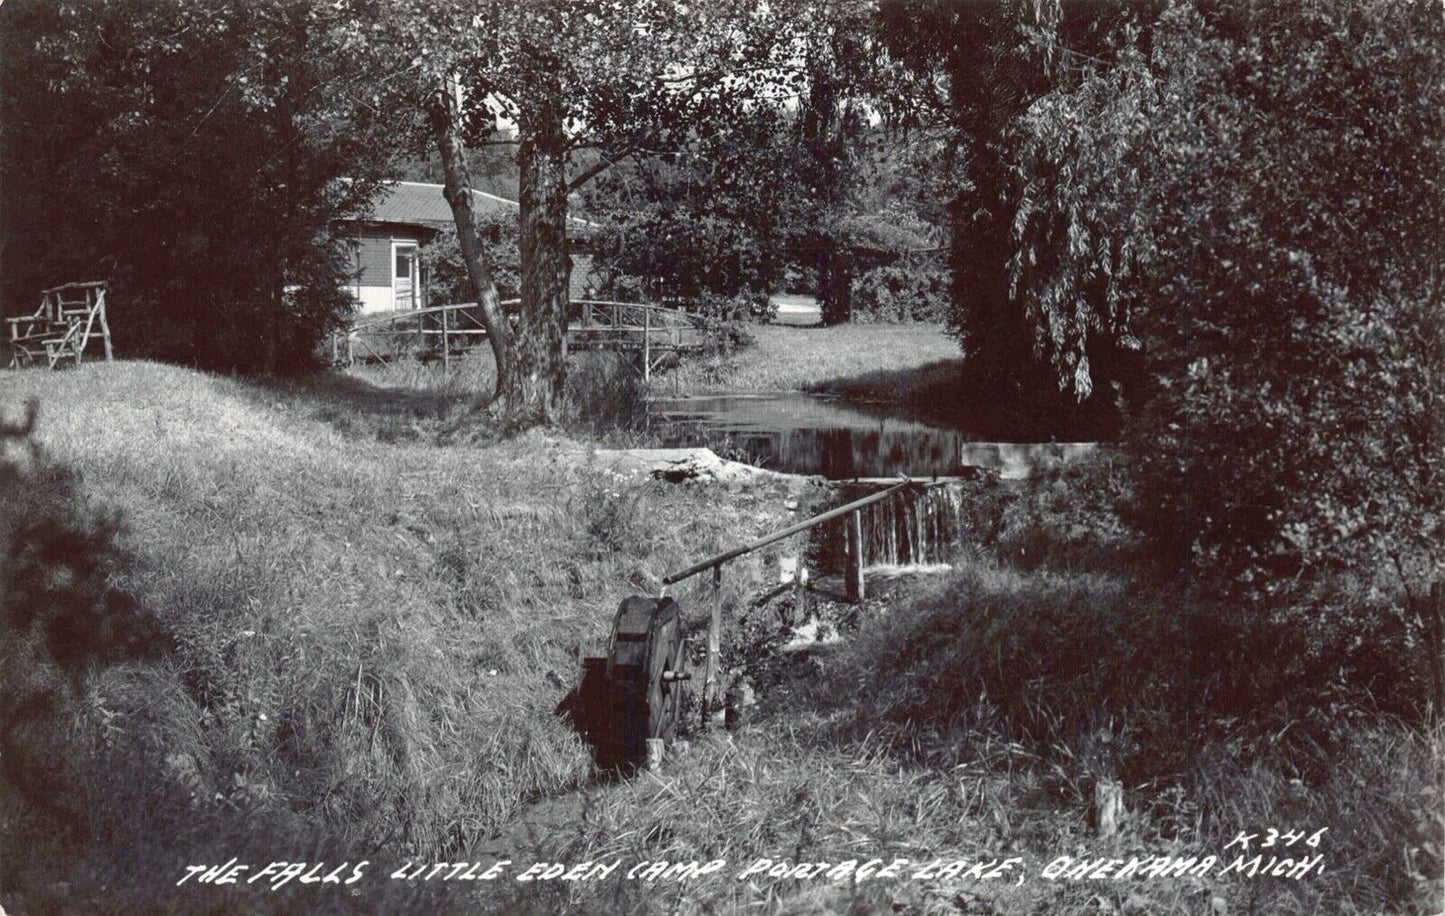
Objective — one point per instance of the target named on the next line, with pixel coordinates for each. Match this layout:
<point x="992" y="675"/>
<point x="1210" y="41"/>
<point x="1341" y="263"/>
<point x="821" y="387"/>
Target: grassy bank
<point x="916" y="369"/>
<point x="371" y="634"/>
<point x="367" y="637"/>
<point x="881" y="362"/>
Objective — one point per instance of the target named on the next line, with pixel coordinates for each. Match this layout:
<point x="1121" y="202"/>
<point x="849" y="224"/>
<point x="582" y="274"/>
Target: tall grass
<point x="371" y="637"/>
<point x="1085" y="667"/>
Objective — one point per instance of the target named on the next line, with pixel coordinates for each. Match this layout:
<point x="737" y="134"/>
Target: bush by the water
<point x="1246" y="243"/>
<point x="1213" y="720"/>
<point x="902" y="292"/>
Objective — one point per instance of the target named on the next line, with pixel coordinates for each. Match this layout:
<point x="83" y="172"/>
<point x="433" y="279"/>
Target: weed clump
<point x="604" y="396"/>
<point x="1065" y="642"/>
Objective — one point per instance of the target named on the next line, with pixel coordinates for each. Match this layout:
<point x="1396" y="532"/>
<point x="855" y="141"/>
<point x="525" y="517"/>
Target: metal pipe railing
<point x="764" y="541"/>
<point x="710" y="688"/>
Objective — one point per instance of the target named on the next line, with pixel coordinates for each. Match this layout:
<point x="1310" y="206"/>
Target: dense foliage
<point x="188" y="154"/>
<point x="1254" y="203"/>
<point x="908" y="289"/>
<point x="446" y="269"/>
<point x="714" y="218"/>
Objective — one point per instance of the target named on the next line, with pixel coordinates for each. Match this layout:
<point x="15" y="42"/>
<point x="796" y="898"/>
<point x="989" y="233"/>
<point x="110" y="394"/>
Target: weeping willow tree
<point x="1233" y="213"/>
<point x="977" y="69"/>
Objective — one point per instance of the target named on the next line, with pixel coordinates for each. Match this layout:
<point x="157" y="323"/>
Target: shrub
<point x="447" y="278"/>
<point x="1246" y="241"/>
<point x="902" y="291"/>
<point x="1070" y="518"/>
<point x="604" y="395"/>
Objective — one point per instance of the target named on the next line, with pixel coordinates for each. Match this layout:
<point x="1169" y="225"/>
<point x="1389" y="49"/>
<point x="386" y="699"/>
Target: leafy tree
<point x="810" y="176"/>
<point x="448" y="280"/>
<point x="1245" y="203"/>
<point x="912" y="288"/>
<point x="973" y="70"/>
<point x="587" y="84"/>
<point x="839" y="76"/>
<point x="188" y="153"/>
<point x="714" y="218"/>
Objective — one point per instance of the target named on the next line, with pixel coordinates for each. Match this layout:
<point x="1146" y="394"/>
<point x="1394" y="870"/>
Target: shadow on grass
<point x="941" y="393"/>
<point x="361" y="409"/>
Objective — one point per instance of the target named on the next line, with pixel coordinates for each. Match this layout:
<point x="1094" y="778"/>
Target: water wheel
<point x="645" y="670"/>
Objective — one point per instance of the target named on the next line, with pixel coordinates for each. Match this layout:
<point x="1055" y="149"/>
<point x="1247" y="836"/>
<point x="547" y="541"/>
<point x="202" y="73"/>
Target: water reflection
<point x="803" y="434"/>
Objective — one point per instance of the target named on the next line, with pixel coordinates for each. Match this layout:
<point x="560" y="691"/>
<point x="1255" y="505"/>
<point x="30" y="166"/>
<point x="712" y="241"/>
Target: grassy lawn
<point x="799" y="359"/>
<point x="880" y="361"/>
<point x="915" y="368"/>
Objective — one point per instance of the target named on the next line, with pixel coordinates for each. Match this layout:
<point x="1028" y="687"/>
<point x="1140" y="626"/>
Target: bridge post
<point x="104" y="327"/>
<point x="446" y="345"/>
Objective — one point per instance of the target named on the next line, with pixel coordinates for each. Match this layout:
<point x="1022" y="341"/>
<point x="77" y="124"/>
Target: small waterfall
<point x="912" y="527"/>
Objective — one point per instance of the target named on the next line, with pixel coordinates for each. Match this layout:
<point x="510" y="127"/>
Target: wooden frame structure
<point x="62" y="327"/>
<point x="651" y="334"/>
<point x="408" y="334"/>
<point x="854" y="573"/>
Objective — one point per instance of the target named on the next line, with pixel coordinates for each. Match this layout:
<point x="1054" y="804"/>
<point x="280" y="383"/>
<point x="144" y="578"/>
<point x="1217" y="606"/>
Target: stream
<point x="806" y="434"/>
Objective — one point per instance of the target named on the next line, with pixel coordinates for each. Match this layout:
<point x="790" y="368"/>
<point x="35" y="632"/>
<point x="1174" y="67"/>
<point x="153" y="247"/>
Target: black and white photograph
<point x="944" y="457"/>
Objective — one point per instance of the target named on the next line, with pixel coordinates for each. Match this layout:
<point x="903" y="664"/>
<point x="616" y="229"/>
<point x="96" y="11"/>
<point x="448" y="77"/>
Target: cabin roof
<point x="422" y="203"/>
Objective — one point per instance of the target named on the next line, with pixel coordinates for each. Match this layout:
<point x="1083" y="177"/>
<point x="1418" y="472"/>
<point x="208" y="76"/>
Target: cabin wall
<point x="579" y="281"/>
<point x="372" y="281"/>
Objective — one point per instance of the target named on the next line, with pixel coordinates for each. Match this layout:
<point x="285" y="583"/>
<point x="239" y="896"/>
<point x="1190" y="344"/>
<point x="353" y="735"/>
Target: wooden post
<point x="1109" y="812"/>
<point x="105" y="328"/>
<point x="800" y="593"/>
<point x="350" y="351"/>
<point x="854" y="565"/>
<point x="1433" y="623"/>
<point x="714" y="642"/>
<point x="446" y="344"/>
<point x="647" y="345"/>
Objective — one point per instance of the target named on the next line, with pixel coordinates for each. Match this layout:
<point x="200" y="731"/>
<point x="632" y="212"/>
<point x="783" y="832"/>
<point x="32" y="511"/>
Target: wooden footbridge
<point x="650" y="336"/>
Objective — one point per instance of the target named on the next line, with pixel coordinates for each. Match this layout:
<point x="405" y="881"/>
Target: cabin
<point x="386" y="244"/>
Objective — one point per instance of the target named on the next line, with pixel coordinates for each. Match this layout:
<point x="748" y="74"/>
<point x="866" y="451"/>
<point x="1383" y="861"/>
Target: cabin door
<point x="405" y="275"/>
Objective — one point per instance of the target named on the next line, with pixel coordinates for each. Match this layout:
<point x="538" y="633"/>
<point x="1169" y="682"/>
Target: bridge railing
<point x="410" y="333"/>
<point x="436" y="331"/>
<point x="635" y="315"/>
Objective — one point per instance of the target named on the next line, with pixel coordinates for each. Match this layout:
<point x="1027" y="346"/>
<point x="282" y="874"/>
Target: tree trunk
<point x="835" y="283"/>
<point x="457" y="188"/>
<point x="539" y="362"/>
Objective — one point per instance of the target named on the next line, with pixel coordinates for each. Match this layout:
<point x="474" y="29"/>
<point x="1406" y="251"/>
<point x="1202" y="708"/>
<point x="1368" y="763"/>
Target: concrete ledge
<point x="681" y="465"/>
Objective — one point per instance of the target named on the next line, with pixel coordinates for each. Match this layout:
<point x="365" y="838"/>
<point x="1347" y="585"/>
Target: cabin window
<point x="404" y="258"/>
